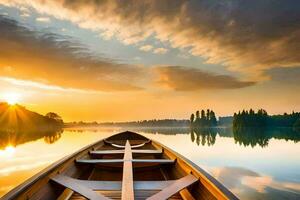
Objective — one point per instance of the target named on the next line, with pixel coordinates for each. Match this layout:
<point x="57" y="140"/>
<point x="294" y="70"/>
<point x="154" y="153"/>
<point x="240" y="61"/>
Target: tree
<point x="208" y="114"/>
<point x="192" y="118"/>
<point x="207" y="122"/>
<point x="202" y="114"/>
<point x="212" y="118"/>
<point x="56" y="117"/>
<point x="204" y="119"/>
<point x="297" y="124"/>
<point x="197" y="114"/>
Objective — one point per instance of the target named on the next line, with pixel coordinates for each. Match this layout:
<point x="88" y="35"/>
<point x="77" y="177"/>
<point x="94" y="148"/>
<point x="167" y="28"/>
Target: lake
<point x="253" y="164"/>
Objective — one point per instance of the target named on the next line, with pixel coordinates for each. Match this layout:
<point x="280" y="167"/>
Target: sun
<point x="12" y="98"/>
<point x="8" y="151"/>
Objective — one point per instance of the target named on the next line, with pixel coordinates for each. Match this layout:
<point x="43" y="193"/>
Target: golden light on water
<point x="12" y="98"/>
<point x="8" y="151"/>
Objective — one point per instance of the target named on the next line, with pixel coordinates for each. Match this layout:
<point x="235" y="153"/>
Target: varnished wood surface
<point x="82" y="190"/>
<point x="186" y="195"/>
<point x="116" y="195"/>
<point x="127" y="180"/>
<point x="117" y="185"/>
<point x="123" y="146"/>
<point x="100" y="161"/>
<point x="174" y="188"/>
<point x="134" y="151"/>
<point x="67" y="193"/>
<point x="212" y="189"/>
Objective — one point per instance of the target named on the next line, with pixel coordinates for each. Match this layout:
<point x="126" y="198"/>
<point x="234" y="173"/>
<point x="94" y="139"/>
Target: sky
<point x="129" y="60"/>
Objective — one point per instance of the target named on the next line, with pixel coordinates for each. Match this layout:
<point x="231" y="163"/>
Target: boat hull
<point x="146" y="168"/>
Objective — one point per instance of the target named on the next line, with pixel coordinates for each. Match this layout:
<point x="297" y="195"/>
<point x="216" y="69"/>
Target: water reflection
<point x="16" y="138"/>
<point x="252" y="185"/>
<point x="251" y="173"/>
<point x="200" y="136"/>
<point x="204" y="136"/>
<point x="246" y="137"/>
<point x="261" y="136"/>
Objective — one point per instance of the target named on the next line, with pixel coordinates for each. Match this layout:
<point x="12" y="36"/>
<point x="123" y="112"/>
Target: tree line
<point x="245" y="118"/>
<point x="141" y="123"/>
<point x="18" y="118"/>
<point x="205" y="119"/>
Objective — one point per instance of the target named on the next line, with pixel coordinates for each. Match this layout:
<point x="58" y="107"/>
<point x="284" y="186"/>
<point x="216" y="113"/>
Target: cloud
<point x="160" y="51"/>
<point x="25" y="15"/>
<point x="39" y="85"/>
<point x="249" y="37"/>
<point x="146" y="48"/>
<point x="289" y="76"/>
<point x="50" y="59"/>
<point x="191" y="79"/>
<point x="43" y="19"/>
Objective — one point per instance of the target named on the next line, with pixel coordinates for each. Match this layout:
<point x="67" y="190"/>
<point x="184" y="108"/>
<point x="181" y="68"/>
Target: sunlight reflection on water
<point x="250" y="171"/>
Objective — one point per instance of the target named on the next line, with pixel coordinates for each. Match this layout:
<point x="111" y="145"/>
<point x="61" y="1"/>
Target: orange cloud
<point x="146" y="48"/>
<point x="160" y="51"/>
<point x="229" y="32"/>
<point x="191" y="79"/>
<point x="50" y="59"/>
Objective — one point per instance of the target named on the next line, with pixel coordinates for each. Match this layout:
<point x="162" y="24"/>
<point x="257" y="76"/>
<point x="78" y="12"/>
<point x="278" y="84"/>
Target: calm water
<point x="253" y="164"/>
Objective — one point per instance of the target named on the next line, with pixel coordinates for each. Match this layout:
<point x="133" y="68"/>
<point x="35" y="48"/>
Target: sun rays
<point x="11" y="98"/>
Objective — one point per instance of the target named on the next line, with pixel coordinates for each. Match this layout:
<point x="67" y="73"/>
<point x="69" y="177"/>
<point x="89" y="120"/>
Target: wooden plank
<point x="157" y="161"/>
<point x="107" y="152"/>
<point x="134" y="151"/>
<point x="99" y="161"/>
<point x="127" y="180"/>
<point x="84" y="191"/>
<point x="67" y="193"/>
<point x="108" y="161"/>
<point x="117" y="185"/>
<point x="151" y="185"/>
<point x="123" y="147"/>
<point x="214" y="187"/>
<point x="174" y="188"/>
<point x="186" y="195"/>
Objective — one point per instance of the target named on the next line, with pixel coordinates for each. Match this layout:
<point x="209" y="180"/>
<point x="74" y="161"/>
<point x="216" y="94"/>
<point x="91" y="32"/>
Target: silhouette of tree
<point x="207" y="115"/>
<point x="192" y="136"/>
<point x="197" y="114"/>
<point x="202" y="114"/>
<point x="262" y="119"/>
<point x="297" y="124"/>
<point x="54" y="116"/>
<point x="192" y="118"/>
<point x="207" y="119"/>
<point x="212" y="118"/>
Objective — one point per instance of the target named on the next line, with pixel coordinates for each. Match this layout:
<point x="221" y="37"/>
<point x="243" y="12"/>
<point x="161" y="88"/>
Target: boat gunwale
<point x="18" y="190"/>
<point x="205" y="175"/>
<point x="44" y="172"/>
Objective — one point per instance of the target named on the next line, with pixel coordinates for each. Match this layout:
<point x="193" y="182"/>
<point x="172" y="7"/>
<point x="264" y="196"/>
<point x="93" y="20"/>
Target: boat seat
<point x="117" y="185"/>
<point x="134" y="151"/>
<point x="109" y="161"/>
<point x="127" y="186"/>
<point x="79" y="188"/>
<point x="91" y="186"/>
<point x="174" y="188"/>
<point x="123" y="146"/>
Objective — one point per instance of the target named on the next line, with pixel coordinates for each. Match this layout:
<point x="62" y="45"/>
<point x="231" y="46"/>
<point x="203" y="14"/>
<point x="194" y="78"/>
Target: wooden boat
<point x="124" y="166"/>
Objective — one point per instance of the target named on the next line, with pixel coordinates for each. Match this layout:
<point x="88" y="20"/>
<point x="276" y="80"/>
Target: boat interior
<point x="124" y="166"/>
